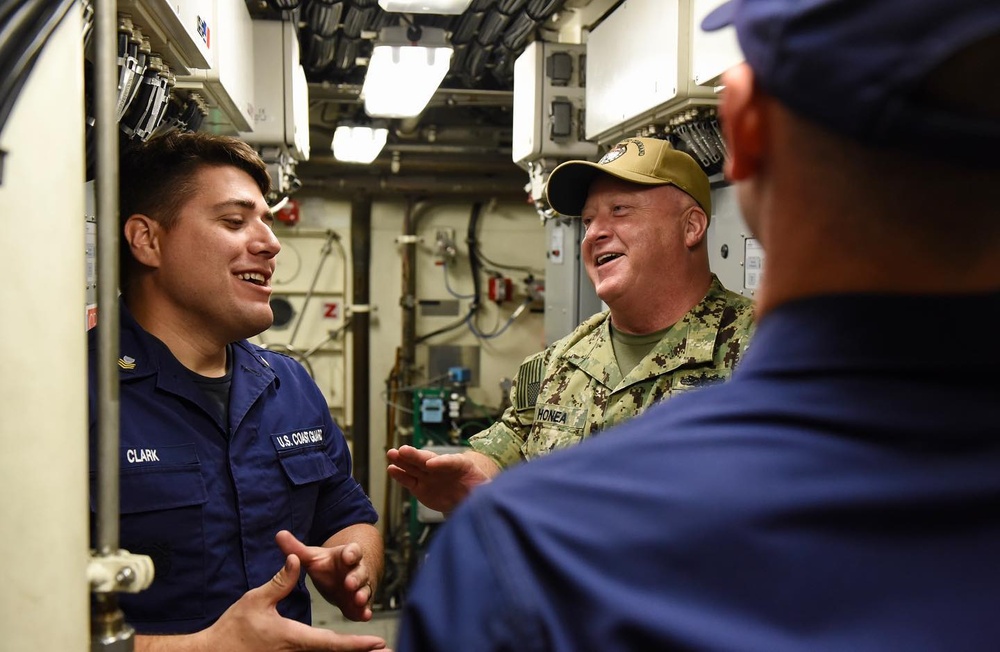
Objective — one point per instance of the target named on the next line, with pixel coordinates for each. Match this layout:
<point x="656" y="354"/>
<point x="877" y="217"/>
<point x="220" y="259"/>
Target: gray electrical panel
<point x="569" y="295"/>
<point x="90" y="254"/>
<point x="733" y="253"/>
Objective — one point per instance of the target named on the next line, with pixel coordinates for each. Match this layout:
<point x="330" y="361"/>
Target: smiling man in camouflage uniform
<point x="671" y="326"/>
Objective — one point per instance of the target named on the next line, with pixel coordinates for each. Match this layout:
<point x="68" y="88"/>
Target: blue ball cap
<point x="856" y="66"/>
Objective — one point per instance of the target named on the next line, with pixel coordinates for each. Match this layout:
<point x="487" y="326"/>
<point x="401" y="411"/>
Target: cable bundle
<point x="24" y="28"/>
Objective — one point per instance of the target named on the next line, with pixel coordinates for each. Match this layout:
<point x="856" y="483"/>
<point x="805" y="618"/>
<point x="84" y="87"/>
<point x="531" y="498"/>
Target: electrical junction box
<point x="639" y="68"/>
<point x="570" y="297"/>
<point x="226" y="83"/>
<point x="549" y="86"/>
<point x="281" y="93"/>
<point x="734" y="255"/>
<point x="712" y="53"/>
<point x="180" y="31"/>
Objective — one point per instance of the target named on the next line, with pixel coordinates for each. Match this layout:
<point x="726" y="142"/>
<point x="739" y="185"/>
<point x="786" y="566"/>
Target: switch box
<point x="548" y="103"/>
<point x="281" y="93"/>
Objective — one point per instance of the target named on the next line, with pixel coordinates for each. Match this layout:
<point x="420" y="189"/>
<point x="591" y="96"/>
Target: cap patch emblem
<point x="638" y="145"/>
<point x="612" y="155"/>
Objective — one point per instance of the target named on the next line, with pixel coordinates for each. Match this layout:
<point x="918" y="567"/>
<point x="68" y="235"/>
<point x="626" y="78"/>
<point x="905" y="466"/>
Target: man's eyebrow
<point x="248" y="204"/>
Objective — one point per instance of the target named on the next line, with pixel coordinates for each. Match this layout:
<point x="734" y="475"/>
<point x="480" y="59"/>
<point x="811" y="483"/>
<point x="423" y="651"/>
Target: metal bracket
<point x="120" y="572"/>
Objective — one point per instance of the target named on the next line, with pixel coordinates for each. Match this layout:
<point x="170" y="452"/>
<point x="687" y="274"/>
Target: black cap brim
<point x="567" y="187"/>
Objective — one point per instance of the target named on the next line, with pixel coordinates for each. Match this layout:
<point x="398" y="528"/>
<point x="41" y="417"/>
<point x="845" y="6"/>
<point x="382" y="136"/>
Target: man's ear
<point x="743" y="122"/>
<point x="143" y="236"/>
<point x="695" y="227"/>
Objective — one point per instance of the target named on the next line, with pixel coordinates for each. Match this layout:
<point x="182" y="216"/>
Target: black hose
<point x="21" y="43"/>
<point x="475" y="266"/>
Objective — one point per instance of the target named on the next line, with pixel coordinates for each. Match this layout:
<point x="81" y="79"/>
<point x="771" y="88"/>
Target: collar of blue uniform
<point x="142" y="354"/>
<point x="137" y="355"/>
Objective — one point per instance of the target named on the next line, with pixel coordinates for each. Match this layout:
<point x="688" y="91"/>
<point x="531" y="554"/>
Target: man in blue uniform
<point x="231" y="466"/>
<point x="842" y="490"/>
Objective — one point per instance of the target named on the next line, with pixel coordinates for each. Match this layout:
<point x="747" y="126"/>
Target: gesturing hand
<point x="340" y="573"/>
<point x="253" y="623"/>
<point x="440" y="482"/>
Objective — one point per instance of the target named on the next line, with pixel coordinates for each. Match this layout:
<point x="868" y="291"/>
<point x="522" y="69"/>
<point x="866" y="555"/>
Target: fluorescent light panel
<point x="425" y="6"/>
<point x="402" y="75"/>
<point x="358" y="144"/>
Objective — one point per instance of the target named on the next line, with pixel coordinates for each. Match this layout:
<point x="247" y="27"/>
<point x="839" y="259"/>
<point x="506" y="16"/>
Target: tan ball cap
<point x="646" y="161"/>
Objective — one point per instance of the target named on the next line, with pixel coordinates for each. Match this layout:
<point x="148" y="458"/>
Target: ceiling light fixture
<point x="406" y="67"/>
<point x="425" y="6"/>
<point x="358" y="144"/>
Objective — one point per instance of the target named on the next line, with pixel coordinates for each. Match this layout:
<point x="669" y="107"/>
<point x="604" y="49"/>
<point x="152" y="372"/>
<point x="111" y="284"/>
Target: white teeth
<point x="603" y="258"/>
<point x="253" y="277"/>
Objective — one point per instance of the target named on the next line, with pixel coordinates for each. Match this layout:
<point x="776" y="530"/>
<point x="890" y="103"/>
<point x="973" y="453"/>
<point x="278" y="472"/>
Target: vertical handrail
<point x="106" y="187"/>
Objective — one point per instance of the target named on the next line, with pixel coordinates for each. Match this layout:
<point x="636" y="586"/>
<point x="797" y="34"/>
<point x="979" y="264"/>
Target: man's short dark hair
<point x="156" y="177"/>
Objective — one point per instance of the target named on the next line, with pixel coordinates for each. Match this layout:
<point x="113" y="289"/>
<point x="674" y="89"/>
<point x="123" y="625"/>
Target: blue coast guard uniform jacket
<point x="204" y="499"/>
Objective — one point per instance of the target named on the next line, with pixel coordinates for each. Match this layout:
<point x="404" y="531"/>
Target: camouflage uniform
<point x="573" y="389"/>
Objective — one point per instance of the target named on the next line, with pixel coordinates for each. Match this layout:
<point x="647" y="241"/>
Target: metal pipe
<point x="108" y="628"/>
<point x="468" y="187"/>
<point x="324" y="252"/>
<point x="315" y="293"/>
<point x="361" y="244"/>
<point x="451" y="156"/>
<point x="464" y="97"/>
<point x="106" y="185"/>
<point x="404" y="366"/>
<point x="409" y="299"/>
<point x="300" y="232"/>
<point x="330" y="336"/>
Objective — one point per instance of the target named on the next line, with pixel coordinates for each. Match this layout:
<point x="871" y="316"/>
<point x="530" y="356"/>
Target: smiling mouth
<point x="253" y="277"/>
<point x="606" y="258"/>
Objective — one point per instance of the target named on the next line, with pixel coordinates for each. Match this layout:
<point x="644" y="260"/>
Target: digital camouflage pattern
<point x="573" y="389"/>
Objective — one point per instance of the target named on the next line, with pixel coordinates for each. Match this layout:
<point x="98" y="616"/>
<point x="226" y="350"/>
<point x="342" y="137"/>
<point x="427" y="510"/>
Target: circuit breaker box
<point x="549" y="84"/>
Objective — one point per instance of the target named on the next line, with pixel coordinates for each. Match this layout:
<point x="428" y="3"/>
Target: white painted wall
<point x="44" y="602"/>
<point x="509" y="233"/>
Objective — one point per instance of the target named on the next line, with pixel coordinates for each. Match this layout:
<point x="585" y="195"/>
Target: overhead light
<point x="425" y="6"/>
<point x="358" y="144"/>
<point x="406" y="67"/>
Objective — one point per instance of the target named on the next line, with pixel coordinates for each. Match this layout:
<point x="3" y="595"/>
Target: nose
<point x="265" y="242"/>
<point x="596" y="230"/>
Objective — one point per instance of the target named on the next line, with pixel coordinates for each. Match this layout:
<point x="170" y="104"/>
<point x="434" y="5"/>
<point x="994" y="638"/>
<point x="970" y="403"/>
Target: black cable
<point x="277" y="5"/>
<point x="540" y="10"/>
<point x="516" y="268"/>
<point x="474" y="266"/>
<point x="16" y="29"/>
<point x="444" y="329"/>
<point x="12" y="81"/>
<point x="6" y="7"/>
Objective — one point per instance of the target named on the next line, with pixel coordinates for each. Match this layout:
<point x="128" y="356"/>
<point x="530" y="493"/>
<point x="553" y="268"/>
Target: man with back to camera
<point x="842" y="490"/>
<point x="670" y="327"/>
<point x="231" y="466"/>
